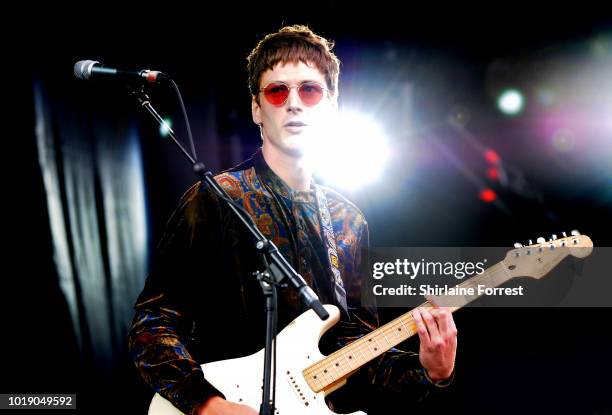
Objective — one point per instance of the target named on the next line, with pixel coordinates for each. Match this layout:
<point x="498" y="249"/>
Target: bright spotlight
<point x="510" y="102"/>
<point x="351" y="153"/>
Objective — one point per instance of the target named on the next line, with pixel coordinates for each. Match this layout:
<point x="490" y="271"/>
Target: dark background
<point x="546" y="360"/>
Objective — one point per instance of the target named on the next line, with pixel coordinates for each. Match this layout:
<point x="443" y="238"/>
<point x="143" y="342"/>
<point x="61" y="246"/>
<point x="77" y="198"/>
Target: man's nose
<point x="293" y="100"/>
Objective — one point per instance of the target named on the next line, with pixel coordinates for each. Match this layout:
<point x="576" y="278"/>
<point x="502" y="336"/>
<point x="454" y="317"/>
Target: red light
<point x="487" y="195"/>
<point x="491" y="156"/>
<point x="493" y="173"/>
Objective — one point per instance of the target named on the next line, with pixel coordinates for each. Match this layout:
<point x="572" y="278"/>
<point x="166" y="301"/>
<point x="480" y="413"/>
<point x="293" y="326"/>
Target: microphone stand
<point x="277" y="272"/>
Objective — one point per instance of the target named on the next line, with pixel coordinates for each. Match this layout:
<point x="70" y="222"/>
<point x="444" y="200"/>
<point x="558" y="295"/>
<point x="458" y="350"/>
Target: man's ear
<point x="256" y="111"/>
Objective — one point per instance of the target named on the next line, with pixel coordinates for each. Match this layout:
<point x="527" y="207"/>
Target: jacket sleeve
<point x="160" y="333"/>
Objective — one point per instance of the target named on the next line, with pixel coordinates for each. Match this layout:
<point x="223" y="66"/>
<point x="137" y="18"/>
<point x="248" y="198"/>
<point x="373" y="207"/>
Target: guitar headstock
<point x="536" y="260"/>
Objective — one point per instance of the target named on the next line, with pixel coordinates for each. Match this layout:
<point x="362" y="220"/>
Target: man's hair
<point x="293" y="44"/>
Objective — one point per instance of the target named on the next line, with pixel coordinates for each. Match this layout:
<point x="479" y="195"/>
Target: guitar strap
<point x="329" y="242"/>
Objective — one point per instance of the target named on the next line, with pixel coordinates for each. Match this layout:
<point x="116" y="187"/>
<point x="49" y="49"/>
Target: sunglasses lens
<point x="276" y="94"/>
<point x="310" y="93"/>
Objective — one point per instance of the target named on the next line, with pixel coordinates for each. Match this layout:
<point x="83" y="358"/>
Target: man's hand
<point x="438" y="337"/>
<point x="219" y="406"/>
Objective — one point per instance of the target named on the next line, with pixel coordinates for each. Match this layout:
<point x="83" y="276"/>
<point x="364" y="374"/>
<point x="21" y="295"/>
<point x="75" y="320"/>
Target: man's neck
<point x="291" y="170"/>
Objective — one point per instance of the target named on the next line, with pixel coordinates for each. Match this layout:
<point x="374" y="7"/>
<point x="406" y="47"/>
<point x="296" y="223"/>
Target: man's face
<point x="286" y="128"/>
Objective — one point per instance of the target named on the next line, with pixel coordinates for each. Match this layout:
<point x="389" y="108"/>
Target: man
<point x="205" y="254"/>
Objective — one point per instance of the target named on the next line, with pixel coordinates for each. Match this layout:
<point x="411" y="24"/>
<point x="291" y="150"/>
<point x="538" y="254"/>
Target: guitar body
<point x="240" y="380"/>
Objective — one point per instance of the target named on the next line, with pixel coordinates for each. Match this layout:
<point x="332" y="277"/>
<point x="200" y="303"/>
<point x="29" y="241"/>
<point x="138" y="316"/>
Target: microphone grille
<point x="82" y="69"/>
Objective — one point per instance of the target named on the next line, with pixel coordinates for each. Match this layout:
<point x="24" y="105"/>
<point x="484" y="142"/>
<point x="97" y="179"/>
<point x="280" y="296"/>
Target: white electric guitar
<point x="305" y="376"/>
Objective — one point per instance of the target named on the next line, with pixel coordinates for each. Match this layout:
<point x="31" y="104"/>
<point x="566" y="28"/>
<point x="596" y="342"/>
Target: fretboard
<point x="343" y="362"/>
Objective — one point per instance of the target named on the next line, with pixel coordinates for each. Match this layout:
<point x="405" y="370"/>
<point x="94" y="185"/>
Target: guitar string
<point x="491" y="275"/>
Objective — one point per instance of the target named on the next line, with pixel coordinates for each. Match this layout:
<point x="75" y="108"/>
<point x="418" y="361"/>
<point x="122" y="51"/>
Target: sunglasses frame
<point x="290" y="87"/>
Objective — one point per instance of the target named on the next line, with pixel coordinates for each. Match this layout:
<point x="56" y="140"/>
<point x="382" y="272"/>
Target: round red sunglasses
<point x="310" y="92"/>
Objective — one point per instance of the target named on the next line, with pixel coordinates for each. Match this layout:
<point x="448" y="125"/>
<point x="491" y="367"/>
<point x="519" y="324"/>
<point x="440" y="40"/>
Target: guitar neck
<point x="340" y="364"/>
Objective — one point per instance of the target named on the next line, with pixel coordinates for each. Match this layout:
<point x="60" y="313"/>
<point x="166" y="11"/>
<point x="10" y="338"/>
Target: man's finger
<point x="421" y="329"/>
<point x="431" y="325"/>
<point x="451" y="324"/>
<point x="443" y="319"/>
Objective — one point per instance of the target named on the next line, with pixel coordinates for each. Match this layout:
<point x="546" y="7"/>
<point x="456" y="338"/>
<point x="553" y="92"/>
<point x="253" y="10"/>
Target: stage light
<point x="492" y="156"/>
<point x="350" y="153"/>
<point x="165" y="127"/>
<point x="510" y="102"/>
<point x="487" y="195"/>
<point x="493" y="173"/>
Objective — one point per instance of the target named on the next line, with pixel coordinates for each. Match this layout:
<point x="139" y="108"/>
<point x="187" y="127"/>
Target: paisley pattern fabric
<point x="201" y="302"/>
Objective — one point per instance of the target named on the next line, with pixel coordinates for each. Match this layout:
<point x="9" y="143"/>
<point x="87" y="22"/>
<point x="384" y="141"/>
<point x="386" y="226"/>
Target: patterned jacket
<point x="201" y="302"/>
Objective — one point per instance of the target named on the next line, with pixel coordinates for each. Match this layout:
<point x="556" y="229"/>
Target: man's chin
<point x="296" y="146"/>
<point x="298" y="151"/>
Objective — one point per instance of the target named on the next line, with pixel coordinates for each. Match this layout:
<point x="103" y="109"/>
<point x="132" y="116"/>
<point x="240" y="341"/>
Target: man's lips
<point x="295" y="124"/>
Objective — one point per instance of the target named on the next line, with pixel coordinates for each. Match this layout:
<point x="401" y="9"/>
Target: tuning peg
<point x="554" y="237"/>
<point x="540" y="240"/>
<point x="564" y="234"/>
<point x="575" y="233"/>
<point x="518" y="245"/>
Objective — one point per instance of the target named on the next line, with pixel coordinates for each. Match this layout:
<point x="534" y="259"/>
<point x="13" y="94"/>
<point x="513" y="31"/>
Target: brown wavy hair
<point x="293" y="44"/>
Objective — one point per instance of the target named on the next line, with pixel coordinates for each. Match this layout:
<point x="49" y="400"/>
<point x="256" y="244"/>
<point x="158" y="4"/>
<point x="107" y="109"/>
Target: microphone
<point x="93" y="70"/>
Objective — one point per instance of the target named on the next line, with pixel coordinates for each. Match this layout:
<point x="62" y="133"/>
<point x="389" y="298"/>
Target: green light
<point x="164" y="129"/>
